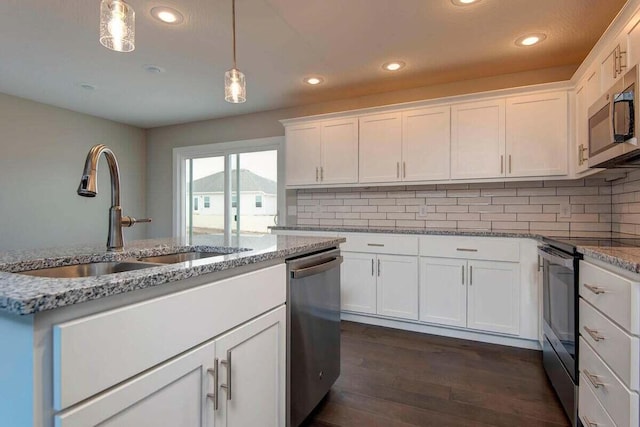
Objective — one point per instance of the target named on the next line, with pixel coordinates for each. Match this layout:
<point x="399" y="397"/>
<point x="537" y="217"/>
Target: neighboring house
<point x="258" y="195"/>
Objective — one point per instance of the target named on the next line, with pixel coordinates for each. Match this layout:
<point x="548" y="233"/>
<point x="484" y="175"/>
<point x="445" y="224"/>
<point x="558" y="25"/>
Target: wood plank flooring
<point x="398" y="378"/>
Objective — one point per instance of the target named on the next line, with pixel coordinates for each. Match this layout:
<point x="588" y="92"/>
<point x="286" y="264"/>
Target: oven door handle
<point x="555" y="257"/>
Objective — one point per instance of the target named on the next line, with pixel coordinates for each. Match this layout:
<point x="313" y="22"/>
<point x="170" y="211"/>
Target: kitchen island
<point x="152" y="344"/>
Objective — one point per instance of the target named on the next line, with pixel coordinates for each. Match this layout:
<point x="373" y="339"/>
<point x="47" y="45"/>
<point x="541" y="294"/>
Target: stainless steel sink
<point x="89" y="270"/>
<point x="181" y="257"/>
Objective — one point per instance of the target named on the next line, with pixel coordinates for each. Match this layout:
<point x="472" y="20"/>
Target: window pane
<point x="207" y="193"/>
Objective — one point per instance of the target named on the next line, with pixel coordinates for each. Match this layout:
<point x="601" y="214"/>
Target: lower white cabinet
<point x="237" y="379"/>
<point x="483" y="295"/>
<point x="380" y="284"/>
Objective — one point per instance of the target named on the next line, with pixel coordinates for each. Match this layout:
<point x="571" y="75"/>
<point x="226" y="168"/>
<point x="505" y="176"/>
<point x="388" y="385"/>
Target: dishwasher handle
<point x="316" y="269"/>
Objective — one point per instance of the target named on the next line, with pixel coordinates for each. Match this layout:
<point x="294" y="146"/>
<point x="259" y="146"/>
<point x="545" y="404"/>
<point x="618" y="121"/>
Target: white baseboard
<point x="442" y="331"/>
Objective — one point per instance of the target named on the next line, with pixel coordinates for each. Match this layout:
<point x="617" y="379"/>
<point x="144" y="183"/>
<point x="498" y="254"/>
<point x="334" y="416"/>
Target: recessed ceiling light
<point x="153" y="69"/>
<point x="464" y="2"/>
<point x="167" y="15"/>
<point x="313" y="80"/>
<point x="530" y="39"/>
<point x="393" y="66"/>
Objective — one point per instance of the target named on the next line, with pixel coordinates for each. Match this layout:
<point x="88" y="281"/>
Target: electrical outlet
<point x="422" y="212"/>
<point x="565" y="210"/>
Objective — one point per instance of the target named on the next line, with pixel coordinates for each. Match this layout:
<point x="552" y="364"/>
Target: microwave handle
<point x="629" y="132"/>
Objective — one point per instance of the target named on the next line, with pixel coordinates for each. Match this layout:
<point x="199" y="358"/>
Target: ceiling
<point x="48" y="49"/>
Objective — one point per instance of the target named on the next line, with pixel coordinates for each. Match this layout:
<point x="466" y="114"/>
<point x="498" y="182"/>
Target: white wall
<point x="42" y="154"/>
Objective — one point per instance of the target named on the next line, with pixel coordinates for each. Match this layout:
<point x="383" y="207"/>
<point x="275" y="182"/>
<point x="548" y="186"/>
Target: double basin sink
<point x="110" y="267"/>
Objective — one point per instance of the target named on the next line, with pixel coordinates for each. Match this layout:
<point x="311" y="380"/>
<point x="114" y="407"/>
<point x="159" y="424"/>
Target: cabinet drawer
<point x="620" y="403"/>
<point x="483" y="248"/>
<point x="93" y="353"/>
<point x="380" y="243"/>
<point x="590" y="410"/>
<point x="613" y="295"/>
<point x="616" y="348"/>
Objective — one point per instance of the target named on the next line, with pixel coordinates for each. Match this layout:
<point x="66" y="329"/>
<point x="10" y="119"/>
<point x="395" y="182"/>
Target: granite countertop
<point x="627" y="258"/>
<point x="22" y="294"/>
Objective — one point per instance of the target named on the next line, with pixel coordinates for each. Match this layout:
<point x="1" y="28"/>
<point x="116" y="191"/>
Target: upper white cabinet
<point x="477" y="139"/>
<point x="322" y="153"/>
<point x="587" y="93"/>
<point x="380" y="147"/>
<point x="613" y="62"/>
<point x="426" y="144"/>
<point x="536" y="135"/>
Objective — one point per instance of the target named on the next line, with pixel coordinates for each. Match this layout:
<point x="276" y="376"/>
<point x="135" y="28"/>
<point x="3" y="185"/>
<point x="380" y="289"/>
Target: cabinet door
<point x="494" y="297"/>
<point x="613" y="62"/>
<point x="380" y="147"/>
<point x="252" y="373"/>
<point x="397" y="286"/>
<point x="426" y="144"/>
<point x="339" y="152"/>
<point x="443" y="291"/>
<point x="302" y="154"/>
<point x="477" y="139"/>
<point x="582" y="131"/>
<point x="537" y="137"/>
<point x="358" y="282"/>
<point x="173" y="394"/>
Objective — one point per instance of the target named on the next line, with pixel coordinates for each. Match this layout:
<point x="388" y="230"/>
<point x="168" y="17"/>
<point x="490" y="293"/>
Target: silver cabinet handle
<point x="593" y="379"/>
<point x="214" y="396"/>
<point x="317" y="174"/>
<point x="470" y="275"/>
<point x="589" y="422"/>
<point x="379" y="268"/>
<point x="397" y="169"/>
<point x="227" y="386"/>
<point x="595" y="289"/>
<point x="377" y="245"/>
<point x="404" y="169"/>
<point x="509" y="163"/>
<point x="462" y="268"/>
<point x="321" y="173"/>
<point x="580" y="161"/>
<point x="540" y="266"/>
<point x="594" y="334"/>
<point x="466" y="250"/>
<point x="372" y="272"/>
<point x="501" y="164"/>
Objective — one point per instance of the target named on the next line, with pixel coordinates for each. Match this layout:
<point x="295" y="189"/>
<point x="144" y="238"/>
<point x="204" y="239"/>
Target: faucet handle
<point x="128" y="221"/>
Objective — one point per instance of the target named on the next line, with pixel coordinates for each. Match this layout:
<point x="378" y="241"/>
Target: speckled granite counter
<point x="23" y="294"/>
<point x="622" y="257"/>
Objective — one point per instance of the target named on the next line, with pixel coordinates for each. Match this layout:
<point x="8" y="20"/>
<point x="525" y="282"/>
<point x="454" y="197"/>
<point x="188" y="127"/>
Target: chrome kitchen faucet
<point x="89" y="188"/>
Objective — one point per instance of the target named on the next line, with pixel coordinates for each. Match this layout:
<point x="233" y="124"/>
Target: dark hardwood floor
<point x="399" y="378"/>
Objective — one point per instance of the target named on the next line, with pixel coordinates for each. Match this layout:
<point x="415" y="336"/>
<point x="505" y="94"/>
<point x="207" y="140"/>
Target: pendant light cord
<point x="233" y="13"/>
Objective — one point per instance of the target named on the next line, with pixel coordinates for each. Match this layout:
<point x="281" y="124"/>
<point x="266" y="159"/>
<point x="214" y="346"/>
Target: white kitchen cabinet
<point x="443" y="291"/>
<point x="478" y="139"/>
<point x="380" y="283"/>
<point x="587" y="92"/>
<point x="252" y="373"/>
<point x="302" y="153"/>
<point x="380" y="153"/>
<point x="397" y="286"/>
<point x="537" y="135"/>
<point x="493" y="297"/>
<point x="322" y="153"/>
<point x="174" y="393"/>
<point x="426" y="144"/>
<point x="339" y="157"/>
<point x="613" y="62"/>
<point x="358" y="282"/>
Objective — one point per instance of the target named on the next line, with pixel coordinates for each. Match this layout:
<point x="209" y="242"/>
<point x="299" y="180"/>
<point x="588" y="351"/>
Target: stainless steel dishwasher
<point x="313" y="331"/>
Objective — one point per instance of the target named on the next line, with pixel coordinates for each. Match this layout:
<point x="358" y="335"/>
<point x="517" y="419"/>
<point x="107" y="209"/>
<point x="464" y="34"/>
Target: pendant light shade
<point x="235" y="88"/>
<point x="117" y="25"/>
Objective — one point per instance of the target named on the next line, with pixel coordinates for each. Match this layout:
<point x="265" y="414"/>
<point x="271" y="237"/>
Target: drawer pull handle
<point x="589" y="422"/>
<point x="593" y="379"/>
<point x="377" y="245"/>
<point x="595" y="289"/>
<point x="594" y="334"/>
<point x="466" y="250"/>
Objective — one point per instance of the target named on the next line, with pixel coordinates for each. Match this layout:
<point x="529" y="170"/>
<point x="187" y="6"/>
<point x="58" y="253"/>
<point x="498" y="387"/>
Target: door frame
<point x="182" y="154"/>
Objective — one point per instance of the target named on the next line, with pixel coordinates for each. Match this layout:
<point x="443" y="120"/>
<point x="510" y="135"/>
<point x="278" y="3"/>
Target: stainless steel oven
<point x="560" y="288"/>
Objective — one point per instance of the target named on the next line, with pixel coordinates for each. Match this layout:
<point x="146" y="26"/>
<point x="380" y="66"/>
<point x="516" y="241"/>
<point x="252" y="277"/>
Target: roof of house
<point x="249" y="181"/>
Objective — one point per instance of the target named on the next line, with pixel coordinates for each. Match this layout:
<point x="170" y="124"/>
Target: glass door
<point x="205" y="198"/>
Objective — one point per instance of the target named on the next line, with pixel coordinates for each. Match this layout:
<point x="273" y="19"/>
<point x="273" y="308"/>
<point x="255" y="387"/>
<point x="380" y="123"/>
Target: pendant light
<point x="235" y="89"/>
<point x="117" y="25"/>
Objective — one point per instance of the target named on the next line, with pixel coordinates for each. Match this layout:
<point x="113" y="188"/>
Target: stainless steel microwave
<point x="613" y="128"/>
